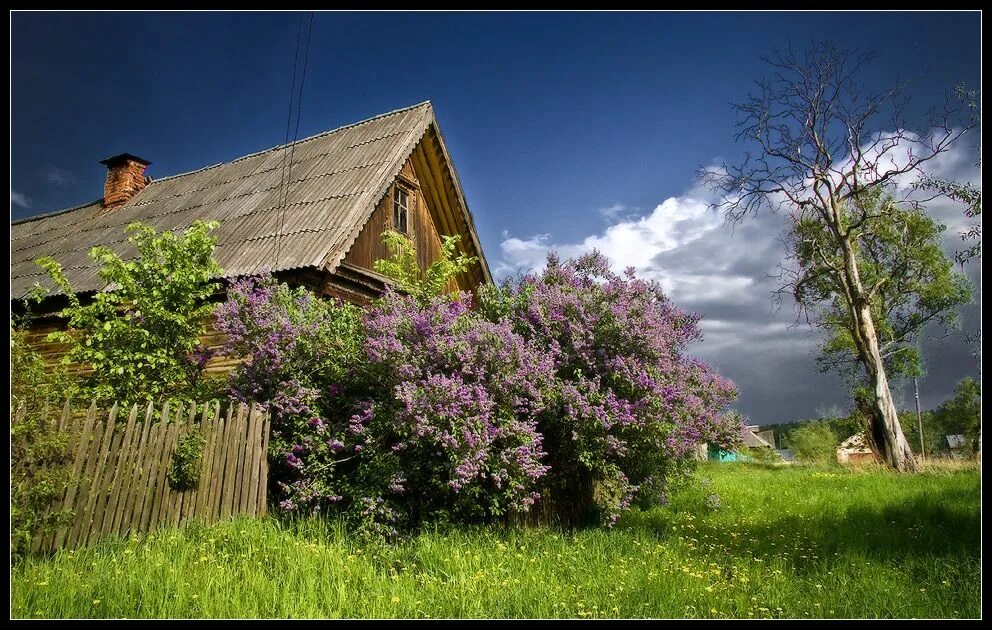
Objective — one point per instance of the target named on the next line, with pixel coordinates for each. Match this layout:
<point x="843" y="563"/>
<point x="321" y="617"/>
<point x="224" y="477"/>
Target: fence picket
<point x="161" y="495"/>
<point x="263" y="486"/>
<point x="240" y="494"/>
<point x="120" y="470"/>
<point x="250" y="492"/>
<point x="64" y="419"/>
<point x="151" y="476"/>
<point x="231" y="463"/>
<point x="100" y="430"/>
<point x="97" y="487"/>
<point x="186" y="496"/>
<point x="80" y="447"/>
<point x="170" y="496"/>
<point x="225" y="445"/>
<point x="209" y="425"/>
<point x="125" y="521"/>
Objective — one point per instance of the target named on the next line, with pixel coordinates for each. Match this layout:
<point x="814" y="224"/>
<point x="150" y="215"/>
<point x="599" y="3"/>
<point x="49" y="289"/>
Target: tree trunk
<point x="886" y="432"/>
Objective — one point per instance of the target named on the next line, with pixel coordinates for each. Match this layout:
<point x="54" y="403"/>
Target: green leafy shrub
<point x="961" y="414"/>
<point x="141" y="337"/>
<point x="813" y="443"/>
<point x="403" y="267"/>
<point x="187" y="461"/>
<point x="39" y="473"/>
<point x="763" y="455"/>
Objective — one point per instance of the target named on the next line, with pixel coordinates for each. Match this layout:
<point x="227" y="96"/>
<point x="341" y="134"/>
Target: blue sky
<point x="561" y="125"/>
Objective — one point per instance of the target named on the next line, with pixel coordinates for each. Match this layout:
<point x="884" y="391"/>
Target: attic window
<point x="401" y="209"/>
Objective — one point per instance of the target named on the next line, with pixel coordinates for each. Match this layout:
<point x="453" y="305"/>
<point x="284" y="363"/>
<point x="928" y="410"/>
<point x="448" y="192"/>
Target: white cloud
<point x="17" y="199"/>
<point x="522" y="254"/>
<point x="638" y="242"/>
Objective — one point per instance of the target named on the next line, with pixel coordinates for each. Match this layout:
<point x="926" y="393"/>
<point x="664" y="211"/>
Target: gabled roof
<point x="337" y="179"/>
<point x="752" y="439"/>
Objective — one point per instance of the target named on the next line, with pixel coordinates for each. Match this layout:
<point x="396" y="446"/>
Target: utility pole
<point x="919" y="417"/>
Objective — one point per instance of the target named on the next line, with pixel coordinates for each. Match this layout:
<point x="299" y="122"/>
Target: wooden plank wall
<point x="120" y="460"/>
<point x="53" y="352"/>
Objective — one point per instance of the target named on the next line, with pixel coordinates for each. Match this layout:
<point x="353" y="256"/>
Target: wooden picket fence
<point x="119" y="469"/>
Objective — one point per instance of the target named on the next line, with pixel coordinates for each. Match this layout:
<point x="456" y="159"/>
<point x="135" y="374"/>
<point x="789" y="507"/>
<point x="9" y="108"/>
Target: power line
<point x="286" y="172"/>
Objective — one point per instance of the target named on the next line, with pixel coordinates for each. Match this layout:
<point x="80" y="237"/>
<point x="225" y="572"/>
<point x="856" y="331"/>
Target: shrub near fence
<point x="121" y="467"/>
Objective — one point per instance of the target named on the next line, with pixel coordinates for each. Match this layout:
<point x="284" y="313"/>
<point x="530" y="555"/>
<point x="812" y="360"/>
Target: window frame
<point x="409" y="193"/>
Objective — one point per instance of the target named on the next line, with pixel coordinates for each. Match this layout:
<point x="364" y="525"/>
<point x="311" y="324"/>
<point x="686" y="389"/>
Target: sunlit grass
<point x="784" y="543"/>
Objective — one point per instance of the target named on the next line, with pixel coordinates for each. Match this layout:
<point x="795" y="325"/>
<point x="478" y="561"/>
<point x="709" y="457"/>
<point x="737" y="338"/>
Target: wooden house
<point x="751" y="438"/>
<point x="312" y="213"/>
<point x="957" y="446"/>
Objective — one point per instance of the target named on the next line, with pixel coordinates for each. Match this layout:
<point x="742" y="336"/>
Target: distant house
<point x="855" y="450"/>
<point x="754" y="439"/>
<point x="312" y="213"/>
<point x="751" y="439"/>
<point x="716" y="454"/>
<point x="958" y="446"/>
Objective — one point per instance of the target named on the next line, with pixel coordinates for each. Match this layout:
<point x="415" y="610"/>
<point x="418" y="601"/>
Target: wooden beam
<point x="429" y="185"/>
<point x="453" y="214"/>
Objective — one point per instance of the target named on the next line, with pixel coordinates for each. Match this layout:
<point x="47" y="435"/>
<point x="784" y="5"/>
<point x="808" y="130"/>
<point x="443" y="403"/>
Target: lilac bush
<point x="295" y="346"/>
<point x="627" y="405"/>
<point x="570" y="388"/>
<point x="407" y="411"/>
<point x="458" y="407"/>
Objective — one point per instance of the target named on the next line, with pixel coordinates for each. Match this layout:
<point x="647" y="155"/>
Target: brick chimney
<point x="125" y="178"/>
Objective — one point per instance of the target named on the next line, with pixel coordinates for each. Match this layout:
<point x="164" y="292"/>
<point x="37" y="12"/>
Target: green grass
<point x="788" y="542"/>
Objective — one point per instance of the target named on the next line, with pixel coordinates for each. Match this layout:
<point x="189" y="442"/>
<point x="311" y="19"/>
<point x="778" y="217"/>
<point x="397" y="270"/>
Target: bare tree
<point x="963" y="192"/>
<point x="820" y="144"/>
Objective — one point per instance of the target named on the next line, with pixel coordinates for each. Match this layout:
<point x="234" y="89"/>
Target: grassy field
<point x="788" y="542"/>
